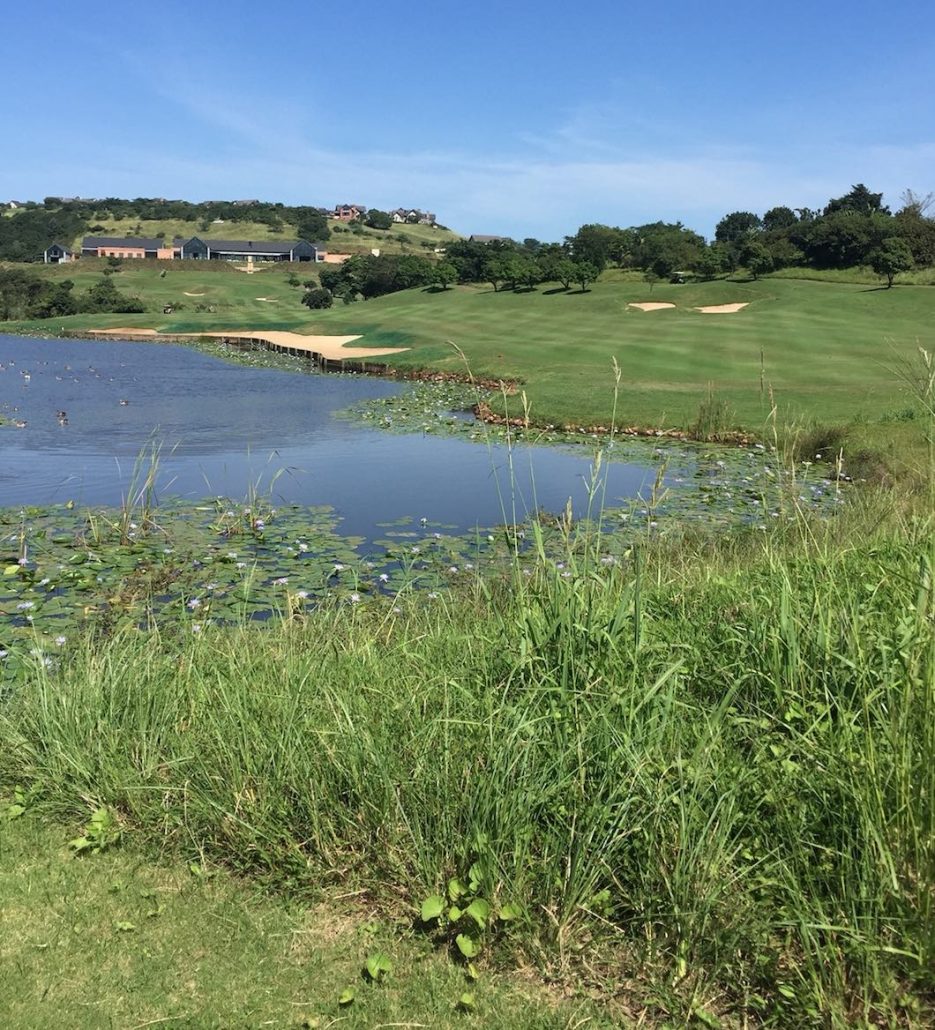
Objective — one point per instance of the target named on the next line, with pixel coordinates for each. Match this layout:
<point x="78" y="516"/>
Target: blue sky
<point x="526" y="119"/>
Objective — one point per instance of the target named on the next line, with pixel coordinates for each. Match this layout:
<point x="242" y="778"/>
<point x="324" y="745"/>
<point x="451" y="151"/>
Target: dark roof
<point x="60" y="246"/>
<point x="122" y="241"/>
<point x="252" y="246"/>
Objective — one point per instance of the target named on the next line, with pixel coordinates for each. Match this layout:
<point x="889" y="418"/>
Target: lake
<point x="225" y="429"/>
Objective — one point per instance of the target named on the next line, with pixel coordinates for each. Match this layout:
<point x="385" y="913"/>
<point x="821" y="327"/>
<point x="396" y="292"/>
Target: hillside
<point x="400" y="239"/>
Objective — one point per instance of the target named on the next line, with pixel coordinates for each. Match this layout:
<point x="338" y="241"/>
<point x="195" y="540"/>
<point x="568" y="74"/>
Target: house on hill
<point x="57" y="255"/>
<point x="201" y="250"/>
<point x="412" y="216"/>
<point x="348" y="212"/>
<point x="197" y="249"/>
<point x="125" y="247"/>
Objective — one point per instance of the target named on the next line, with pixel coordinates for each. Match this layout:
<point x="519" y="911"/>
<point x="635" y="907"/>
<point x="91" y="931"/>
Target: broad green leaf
<point x="432" y="908"/>
<point x="11" y="570"/>
<point x="456" y="889"/>
<point x="510" y="911"/>
<point x="379" y="965"/>
<point x="14" y="811"/>
<point x="472" y="971"/>
<point x="125" y="927"/>
<point x="454" y="913"/>
<point x="466" y="1002"/>
<point x="468" y="947"/>
<point x="479" y="911"/>
<point x="346" y="996"/>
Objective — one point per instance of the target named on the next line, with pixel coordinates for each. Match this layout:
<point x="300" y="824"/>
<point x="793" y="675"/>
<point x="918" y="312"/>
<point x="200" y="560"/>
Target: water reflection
<point x="90" y="408"/>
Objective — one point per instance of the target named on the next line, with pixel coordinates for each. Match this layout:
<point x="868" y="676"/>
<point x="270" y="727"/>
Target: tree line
<point x="851" y="230"/>
<point x="23" y="294"/>
<point x="854" y="229"/>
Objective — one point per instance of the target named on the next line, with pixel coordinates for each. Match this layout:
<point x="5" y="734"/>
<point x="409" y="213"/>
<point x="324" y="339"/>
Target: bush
<point x="317" y="299"/>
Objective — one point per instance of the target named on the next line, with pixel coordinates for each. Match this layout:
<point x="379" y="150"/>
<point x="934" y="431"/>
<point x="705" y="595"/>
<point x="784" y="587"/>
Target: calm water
<point x="225" y="428"/>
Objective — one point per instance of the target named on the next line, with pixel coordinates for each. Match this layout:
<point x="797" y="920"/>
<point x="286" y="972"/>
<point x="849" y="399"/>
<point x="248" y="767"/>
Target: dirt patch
<point x="722" y="309"/>
<point x="650" y="305"/>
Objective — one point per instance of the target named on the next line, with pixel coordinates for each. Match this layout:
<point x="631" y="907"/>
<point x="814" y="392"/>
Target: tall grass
<point x="717" y="783"/>
<point x="705" y="771"/>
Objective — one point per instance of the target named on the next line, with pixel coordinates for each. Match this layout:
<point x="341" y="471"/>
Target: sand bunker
<point x="187" y="294"/>
<point x="650" y="306"/>
<point x="722" y="309"/>
<point x="331" y="347"/>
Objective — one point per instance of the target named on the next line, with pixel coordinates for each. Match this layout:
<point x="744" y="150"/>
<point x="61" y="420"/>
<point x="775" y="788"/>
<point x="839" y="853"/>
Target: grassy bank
<point x="117" y="939"/>
<point x="699" y="779"/>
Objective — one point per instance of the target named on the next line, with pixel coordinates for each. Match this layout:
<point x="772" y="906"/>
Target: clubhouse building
<point x="195" y="249"/>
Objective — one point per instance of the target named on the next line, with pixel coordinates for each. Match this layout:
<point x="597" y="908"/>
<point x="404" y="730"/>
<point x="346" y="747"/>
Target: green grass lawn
<point x="116" y="939"/>
<point x="827" y="349"/>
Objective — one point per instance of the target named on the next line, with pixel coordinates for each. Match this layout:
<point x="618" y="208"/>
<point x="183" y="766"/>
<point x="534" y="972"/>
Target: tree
<point x="891" y="257"/>
<point x="585" y="274"/>
<point x="845" y="238"/>
<point x="444" y="274"/>
<point x="331" y="277"/>
<point x="311" y="224"/>
<point x="527" y="272"/>
<point x="737" y="227"/>
<point x="379" y="219"/>
<point x="860" y="200"/>
<point x="914" y="204"/>
<point x="495" y="271"/>
<point x="104" y="296"/>
<point x="317" y="299"/>
<point x="679" y="246"/>
<point x="757" y="259"/>
<point x="564" y="272"/>
<point x="779" y="218"/>
<point x="708" y="264"/>
<point x="599" y="245"/>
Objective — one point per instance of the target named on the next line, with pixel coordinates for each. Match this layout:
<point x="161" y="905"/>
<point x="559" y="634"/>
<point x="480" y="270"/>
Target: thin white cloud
<point x="599" y="163"/>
